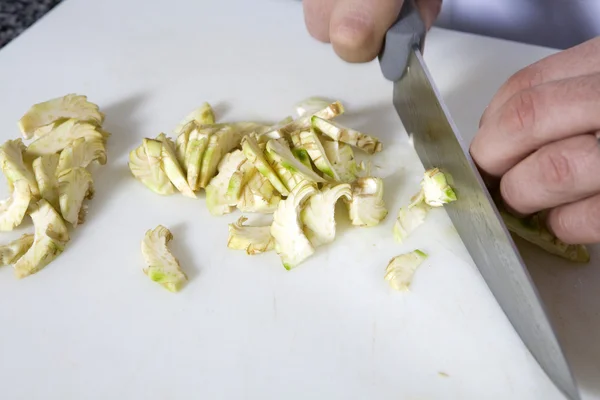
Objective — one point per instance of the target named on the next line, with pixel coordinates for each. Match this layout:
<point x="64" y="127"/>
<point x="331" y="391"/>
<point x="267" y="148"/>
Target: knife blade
<point x="475" y="216"/>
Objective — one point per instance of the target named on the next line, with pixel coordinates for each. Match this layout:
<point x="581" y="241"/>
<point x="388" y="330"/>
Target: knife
<point x="475" y="216"/>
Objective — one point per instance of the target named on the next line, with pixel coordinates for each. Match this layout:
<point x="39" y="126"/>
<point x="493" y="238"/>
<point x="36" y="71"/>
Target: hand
<point x="356" y="28"/>
<point x="539" y="136"/>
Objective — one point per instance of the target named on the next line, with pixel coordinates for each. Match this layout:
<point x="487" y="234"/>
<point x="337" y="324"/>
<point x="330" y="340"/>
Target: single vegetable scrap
<point x="252" y="239"/>
<point x="50" y="238"/>
<point x="401" y="269"/>
<point x="436" y="190"/>
<point x="296" y="169"/>
<point x="48" y="178"/>
<point x="161" y="265"/>
<point x="366" y="206"/>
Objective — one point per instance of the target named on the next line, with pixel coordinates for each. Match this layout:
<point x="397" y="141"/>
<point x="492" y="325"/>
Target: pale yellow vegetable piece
<point x="401" y="269"/>
<point x="290" y="170"/>
<point x="81" y="153"/>
<point x="255" y="155"/>
<point x="69" y="106"/>
<point x="436" y="189"/>
<point x="203" y="115"/>
<point x="369" y="144"/>
<point x="146" y="166"/>
<point x="51" y="236"/>
<point x="161" y="265"/>
<point x="367" y="207"/>
<point x="311" y="105"/>
<point x="257" y="194"/>
<point x="318" y="214"/>
<point x="74" y="186"/>
<point x="291" y="244"/>
<point x="534" y="230"/>
<point x="194" y="154"/>
<point x="45" y="171"/>
<point x="172" y="168"/>
<point x="13" y="210"/>
<point x="62" y="136"/>
<point x="310" y="141"/>
<point x="411" y="217"/>
<point x="11" y="252"/>
<point x="252" y="239"/>
<point x="341" y="157"/>
<point x="13" y="166"/>
<point x="217" y="201"/>
<point x="219" y="144"/>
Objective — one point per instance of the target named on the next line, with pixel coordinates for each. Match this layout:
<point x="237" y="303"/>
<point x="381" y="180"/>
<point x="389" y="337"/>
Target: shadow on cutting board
<point x="570" y="291"/>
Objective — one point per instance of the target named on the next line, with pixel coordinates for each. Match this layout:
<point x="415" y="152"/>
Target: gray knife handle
<point x="406" y="33"/>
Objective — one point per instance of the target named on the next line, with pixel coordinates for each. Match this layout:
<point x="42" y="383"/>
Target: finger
<point x="535" y="117"/>
<point x="577" y="223"/>
<point x="430" y="9"/>
<point x="358" y="27"/>
<point x="557" y="174"/>
<point x="583" y="59"/>
<point x="317" y="14"/>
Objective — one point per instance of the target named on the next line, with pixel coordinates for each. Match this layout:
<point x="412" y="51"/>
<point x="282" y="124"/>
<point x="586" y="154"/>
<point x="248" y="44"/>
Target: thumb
<point x="357" y="27"/>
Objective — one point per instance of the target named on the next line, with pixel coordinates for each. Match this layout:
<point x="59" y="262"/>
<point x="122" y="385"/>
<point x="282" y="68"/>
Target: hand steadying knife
<point x="537" y="135"/>
<point x="536" y="139"/>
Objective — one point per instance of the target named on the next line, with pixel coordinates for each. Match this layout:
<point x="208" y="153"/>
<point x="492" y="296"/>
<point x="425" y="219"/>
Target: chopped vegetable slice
<point x="216" y="191"/>
<point x="11" y="252"/>
<point x="436" y="189"/>
<point x="172" y="167"/>
<point x="74" y="186"/>
<point x="220" y="143"/>
<point x="182" y="141"/>
<point x="291" y="244"/>
<point x="534" y="230"/>
<point x="202" y="115"/>
<point x="411" y="217"/>
<point x="13" y="166"/>
<point x="258" y="194"/>
<point x="15" y="207"/>
<point x="44" y="170"/>
<point x="291" y="170"/>
<point x="146" y="166"/>
<point x="367" y="207"/>
<point x="255" y="155"/>
<point x="81" y="153"/>
<point x="63" y="135"/>
<point x="161" y="265"/>
<point x="311" y="105"/>
<point x="303" y="123"/>
<point x="309" y="140"/>
<point x="69" y="106"/>
<point x="318" y="213"/>
<point x="197" y="144"/>
<point x="401" y="269"/>
<point x="51" y="236"/>
<point x="341" y="157"/>
<point x="252" y="239"/>
<point x="340" y="133"/>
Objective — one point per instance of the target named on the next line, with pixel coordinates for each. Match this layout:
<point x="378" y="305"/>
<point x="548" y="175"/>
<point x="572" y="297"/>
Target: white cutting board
<point x="92" y="326"/>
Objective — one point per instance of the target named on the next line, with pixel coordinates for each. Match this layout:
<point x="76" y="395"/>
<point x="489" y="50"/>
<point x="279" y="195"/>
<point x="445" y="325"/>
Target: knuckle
<point x="519" y="115"/>
<point x="557" y="171"/>
<point x="525" y="79"/>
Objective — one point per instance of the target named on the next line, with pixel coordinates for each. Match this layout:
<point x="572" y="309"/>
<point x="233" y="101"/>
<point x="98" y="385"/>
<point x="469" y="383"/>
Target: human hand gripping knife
<point x="475" y="216"/>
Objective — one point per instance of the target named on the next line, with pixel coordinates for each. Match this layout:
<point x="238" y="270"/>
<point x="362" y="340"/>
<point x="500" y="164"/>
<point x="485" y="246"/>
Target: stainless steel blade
<point x="476" y="218"/>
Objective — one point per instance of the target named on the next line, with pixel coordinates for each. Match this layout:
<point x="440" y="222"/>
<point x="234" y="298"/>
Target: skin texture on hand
<point x="356" y="28"/>
<point x="539" y="139"/>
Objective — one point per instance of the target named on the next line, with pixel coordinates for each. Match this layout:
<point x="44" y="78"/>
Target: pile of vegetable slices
<point x="49" y="178"/>
<point x="297" y="170"/>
